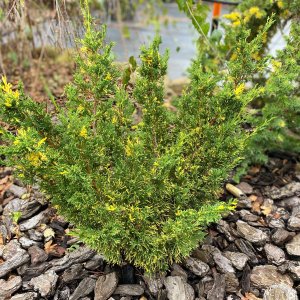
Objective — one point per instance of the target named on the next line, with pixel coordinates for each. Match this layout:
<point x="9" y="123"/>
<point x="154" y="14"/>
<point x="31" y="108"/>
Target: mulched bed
<point x="253" y="253"/>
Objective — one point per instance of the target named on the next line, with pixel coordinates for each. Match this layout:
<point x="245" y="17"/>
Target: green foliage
<point x="16" y="215"/>
<point x="277" y="110"/>
<point x="137" y="191"/>
<point x="281" y="102"/>
<point x="197" y="13"/>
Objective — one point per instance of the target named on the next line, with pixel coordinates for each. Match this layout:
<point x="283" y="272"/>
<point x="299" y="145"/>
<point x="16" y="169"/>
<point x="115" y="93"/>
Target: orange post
<point x="217" y="8"/>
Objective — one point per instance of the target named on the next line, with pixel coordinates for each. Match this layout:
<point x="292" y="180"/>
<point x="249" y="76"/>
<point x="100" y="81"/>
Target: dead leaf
<point x="254" y="170"/>
<point x="253" y="198"/>
<point x="25" y="196"/>
<point x="1" y="239"/>
<point x="266" y="210"/>
<point x="4" y="188"/>
<point x="47" y="246"/>
<point x="256" y="206"/>
<point x="54" y="249"/>
<point x="49" y="232"/>
<point x="250" y="296"/>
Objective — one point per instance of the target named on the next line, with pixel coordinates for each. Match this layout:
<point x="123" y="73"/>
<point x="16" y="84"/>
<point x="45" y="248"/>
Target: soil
<point x="46" y="75"/>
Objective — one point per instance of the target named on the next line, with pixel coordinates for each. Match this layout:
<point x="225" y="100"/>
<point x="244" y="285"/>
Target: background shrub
<point x="277" y="110"/>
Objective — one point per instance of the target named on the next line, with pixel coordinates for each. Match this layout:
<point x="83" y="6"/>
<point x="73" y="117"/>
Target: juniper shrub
<point x="144" y="191"/>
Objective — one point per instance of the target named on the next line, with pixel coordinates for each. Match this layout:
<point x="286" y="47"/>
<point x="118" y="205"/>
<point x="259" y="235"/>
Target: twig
<point x="202" y="33"/>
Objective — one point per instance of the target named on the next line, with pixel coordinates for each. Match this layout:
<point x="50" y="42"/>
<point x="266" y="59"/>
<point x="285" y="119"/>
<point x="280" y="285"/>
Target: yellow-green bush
<point x="277" y="110"/>
<point x="140" y="192"/>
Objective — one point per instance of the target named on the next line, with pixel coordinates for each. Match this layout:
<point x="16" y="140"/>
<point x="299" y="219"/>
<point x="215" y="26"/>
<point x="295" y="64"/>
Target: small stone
<point x="37" y="255"/>
<point x="231" y="283"/>
<point x="34" y="221"/>
<point x="14" y="257"/>
<point x="294" y="270"/>
<point x="29" y="209"/>
<point x="80" y="255"/>
<point x="11" y="228"/>
<point x="154" y="283"/>
<point x="234" y="297"/>
<point x="267" y="275"/>
<point x="296" y="212"/>
<point x="177" y="289"/>
<point x="247" y="216"/>
<point x="63" y="294"/>
<point x="225" y="228"/>
<point x="197" y="266"/>
<point x="245" y="188"/>
<point x="28" y="272"/>
<point x="244" y="202"/>
<point x="45" y="283"/>
<point x="94" y="263"/>
<point x="293" y="247"/>
<point x="204" y="254"/>
<point x="205" y="285"/>
<point x="289" y="190"/>
<point x="35" y="235"/>
<point x="247" y="248"/>
<point x="25" y="296"/>
<point x="26" y="242"/>
<point x="276" y="223"/>
<point x="177" y="270"/>
<point x="274" y="254"/>
<point x="280" y="292"/>
<point x="15" y="205"/>
<point x="3" y="235"/>
<point x="293" y="223"/>
<point x="282" y="213"/>
<point x="85" y="287"/>
<point x="11" y="249"/>
<point x="7" y="288"/>
<point x="218" y="290"/>
<point x="17" y="190"/>
<point x="129" y="290"/>
<point x="105" y="286"/>
<point x="283" y="268"/>
<point x="73" y="273"/>
<point x="245" y="279"/>
<point x="250" y="233"/>
<point x="223" y="263"/>
<point x="237" y="259"/>
<point x="26" y="286"/>
<point x="289" y="202"/>
<point x="281" y="236"/>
